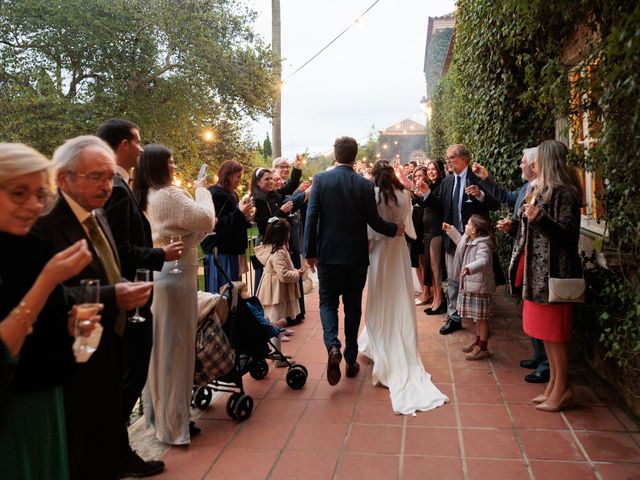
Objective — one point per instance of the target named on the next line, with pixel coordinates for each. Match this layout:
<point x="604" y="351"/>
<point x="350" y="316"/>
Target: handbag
<point x="214" y="355"/>
<point x="565" y="290"/>
<point x="257" y="265"/>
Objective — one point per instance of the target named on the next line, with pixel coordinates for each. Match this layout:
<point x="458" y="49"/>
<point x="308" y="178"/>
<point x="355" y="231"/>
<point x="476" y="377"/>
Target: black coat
<point x="46" y="359"/>
<point x="93" y="394"/>
<point x="231" y="226"/>
<point x="131" y="231"/>
<point x="341" y="205"/>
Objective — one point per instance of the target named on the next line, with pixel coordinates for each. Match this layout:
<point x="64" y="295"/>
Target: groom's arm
<point x="374" y="220"/>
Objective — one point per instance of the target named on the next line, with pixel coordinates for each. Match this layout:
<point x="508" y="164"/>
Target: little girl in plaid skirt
<point x="473" y="263"/>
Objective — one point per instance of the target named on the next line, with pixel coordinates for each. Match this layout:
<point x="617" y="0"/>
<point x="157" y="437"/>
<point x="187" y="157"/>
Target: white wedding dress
<point x="390" y="336"/>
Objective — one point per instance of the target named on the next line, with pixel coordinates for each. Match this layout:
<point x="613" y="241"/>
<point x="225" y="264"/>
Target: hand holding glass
<point x="85" y="311"/>
<point x="142" y="275"/>
<point x="175" y="268"/>
<point x="467" y="185"/>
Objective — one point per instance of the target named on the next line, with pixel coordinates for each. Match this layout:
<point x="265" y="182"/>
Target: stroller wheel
<point x="296" y="377"/>
<point x="259" y="369"/>
<point x="231" y="404"/>
<point x="243" y="408"/>
<point x="202" y="397"/>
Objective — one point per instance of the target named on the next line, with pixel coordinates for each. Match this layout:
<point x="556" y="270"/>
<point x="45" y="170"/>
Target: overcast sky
<point x="372" y="75"/>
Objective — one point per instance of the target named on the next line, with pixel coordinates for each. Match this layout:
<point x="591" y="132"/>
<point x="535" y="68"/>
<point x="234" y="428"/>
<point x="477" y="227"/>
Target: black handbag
<point x="255" y="263"/>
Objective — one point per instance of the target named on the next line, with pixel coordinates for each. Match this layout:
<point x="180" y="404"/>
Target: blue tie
<point x="457" y="222"/>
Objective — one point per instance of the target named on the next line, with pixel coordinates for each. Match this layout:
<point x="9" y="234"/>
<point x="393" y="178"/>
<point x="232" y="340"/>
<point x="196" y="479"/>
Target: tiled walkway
<point x="489" y="430"/>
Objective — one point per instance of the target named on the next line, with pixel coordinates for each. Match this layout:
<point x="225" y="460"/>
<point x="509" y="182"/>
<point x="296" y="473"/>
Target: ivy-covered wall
<point x="436" y="55"/>
<point x="506" y="88"/>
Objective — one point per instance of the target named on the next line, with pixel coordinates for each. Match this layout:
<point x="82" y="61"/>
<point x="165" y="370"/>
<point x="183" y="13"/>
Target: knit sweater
<point x="172" y="211"/>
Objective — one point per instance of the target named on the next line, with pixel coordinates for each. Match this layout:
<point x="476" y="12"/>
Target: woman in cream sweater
<point x="172" y="212"/>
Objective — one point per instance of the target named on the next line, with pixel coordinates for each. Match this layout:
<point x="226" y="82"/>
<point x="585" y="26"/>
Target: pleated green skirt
<point x="33" y="443"/>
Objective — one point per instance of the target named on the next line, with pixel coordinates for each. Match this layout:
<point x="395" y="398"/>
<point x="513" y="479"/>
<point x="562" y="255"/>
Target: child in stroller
<point x="277" y="332"/>
<point x="248" y="336"/>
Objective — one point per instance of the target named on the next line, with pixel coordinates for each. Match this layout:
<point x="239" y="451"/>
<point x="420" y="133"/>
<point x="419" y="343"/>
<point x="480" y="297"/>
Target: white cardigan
<point x="172" y="211"/>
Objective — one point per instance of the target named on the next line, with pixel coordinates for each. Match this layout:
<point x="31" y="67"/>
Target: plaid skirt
<point x="475" y="306"/>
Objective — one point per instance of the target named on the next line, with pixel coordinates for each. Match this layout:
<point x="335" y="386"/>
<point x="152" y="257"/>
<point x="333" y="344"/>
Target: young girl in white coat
<point x="473" y="263"/>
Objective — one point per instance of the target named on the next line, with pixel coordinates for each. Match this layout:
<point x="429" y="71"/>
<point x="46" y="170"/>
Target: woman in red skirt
<point x="547" y="245"/>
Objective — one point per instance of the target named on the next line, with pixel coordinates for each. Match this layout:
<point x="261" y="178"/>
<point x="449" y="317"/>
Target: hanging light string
<point x="355" y="22"/>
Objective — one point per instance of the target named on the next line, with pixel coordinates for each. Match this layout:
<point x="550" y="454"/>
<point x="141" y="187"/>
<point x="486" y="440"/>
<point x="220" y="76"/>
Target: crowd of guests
<point x="64" y="412"/>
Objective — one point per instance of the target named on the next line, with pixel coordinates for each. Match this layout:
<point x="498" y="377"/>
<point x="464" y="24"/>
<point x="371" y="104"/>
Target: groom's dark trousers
<point x="348" y="281"/>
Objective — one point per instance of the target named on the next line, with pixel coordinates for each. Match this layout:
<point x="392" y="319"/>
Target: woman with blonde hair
<point x="547" y="246"/>
<point x="35" y="341"/>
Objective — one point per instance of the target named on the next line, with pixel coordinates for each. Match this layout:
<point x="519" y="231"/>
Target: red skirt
<point x="550" y="322"/>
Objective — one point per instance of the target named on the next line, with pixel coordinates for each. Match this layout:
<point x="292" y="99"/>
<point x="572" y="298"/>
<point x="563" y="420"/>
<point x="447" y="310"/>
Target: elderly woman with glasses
<point x="35" y="338"/>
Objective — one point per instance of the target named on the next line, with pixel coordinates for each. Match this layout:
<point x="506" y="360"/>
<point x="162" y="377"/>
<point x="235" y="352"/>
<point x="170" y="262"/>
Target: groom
<point x="341" y="205"/>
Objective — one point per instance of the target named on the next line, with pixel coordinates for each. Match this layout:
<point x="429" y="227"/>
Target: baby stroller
<point x="227" y="348"/>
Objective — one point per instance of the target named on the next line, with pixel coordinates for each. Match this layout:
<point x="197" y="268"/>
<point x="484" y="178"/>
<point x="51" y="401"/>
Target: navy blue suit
<point x="341" y="205"/>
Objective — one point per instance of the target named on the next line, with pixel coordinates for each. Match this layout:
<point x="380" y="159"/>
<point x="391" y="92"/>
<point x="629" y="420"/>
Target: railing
<point x="249" y="276"/>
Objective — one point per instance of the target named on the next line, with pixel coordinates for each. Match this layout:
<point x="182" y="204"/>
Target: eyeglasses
<point x="21" y="195"/>
<point x="95" y="177"/>
<point x="451" y="157"/>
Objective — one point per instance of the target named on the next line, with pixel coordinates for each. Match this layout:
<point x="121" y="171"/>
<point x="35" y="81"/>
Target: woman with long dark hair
<point x="416" y="247"/>
<point x="434" y="266"/>
<point x="547" y="246"/>
<point x="390" y="336"/>
<point x="172" y="213"/>
<point x="231" y="228"/>
<point x="268" y="202"/>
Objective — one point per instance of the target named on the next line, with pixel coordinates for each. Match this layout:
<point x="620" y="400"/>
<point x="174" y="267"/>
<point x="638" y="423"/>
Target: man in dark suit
<point x="341" y="205"/>
<point x="459" y="196"/>
<point x="539" y="362"/>
<point x="132" y="235"/>
<point x="92" y="396"/>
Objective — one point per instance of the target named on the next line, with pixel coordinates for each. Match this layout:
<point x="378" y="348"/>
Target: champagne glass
<point x="467" y="183"/>
<point x="176" y="268"/>
<point x="88" y="308"/>
<point x="142" y="275"/>
<point x="505" y="211"/>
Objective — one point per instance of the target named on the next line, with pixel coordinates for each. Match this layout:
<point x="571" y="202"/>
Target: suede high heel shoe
<point x="437" y="311"/>
<point x="566" y="402"/>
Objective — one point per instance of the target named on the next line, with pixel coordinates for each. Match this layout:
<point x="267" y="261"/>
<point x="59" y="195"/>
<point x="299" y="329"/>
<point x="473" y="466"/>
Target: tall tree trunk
<point x="277" y="56"/>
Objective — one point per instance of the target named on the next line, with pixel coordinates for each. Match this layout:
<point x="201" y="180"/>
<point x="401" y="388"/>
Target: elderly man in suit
<point x="85" y="171"/>
<point x="341" y="205"/>
<point x="132" y="235"/>
<point x="459" y="196"/>
<point x="539" y="362"/>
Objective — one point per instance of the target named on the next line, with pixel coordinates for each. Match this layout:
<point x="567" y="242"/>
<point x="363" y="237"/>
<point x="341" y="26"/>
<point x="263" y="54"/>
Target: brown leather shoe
<point x="333" y="365"/>
<point x="352" y="369"/>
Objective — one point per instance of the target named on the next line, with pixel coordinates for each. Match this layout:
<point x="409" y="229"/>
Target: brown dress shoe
<point x="352" y="369"/>
<point x="333" y="365"/>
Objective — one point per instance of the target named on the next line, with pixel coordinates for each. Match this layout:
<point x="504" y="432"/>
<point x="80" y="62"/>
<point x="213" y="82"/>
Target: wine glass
<point x="176" y="268"/>
<point x="142" y="275"/>
<point x="505" y="211"/>
<point x="85" y="310"/>
<point x="467" y="184"/>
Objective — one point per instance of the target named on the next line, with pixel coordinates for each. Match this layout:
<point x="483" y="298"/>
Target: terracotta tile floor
<point x="489" y="430"/>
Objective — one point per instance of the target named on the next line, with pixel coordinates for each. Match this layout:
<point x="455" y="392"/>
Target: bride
<point x="390" y="335"/>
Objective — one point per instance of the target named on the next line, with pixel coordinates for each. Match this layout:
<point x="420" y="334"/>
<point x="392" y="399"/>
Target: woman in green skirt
<point x="35" y="332"/>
